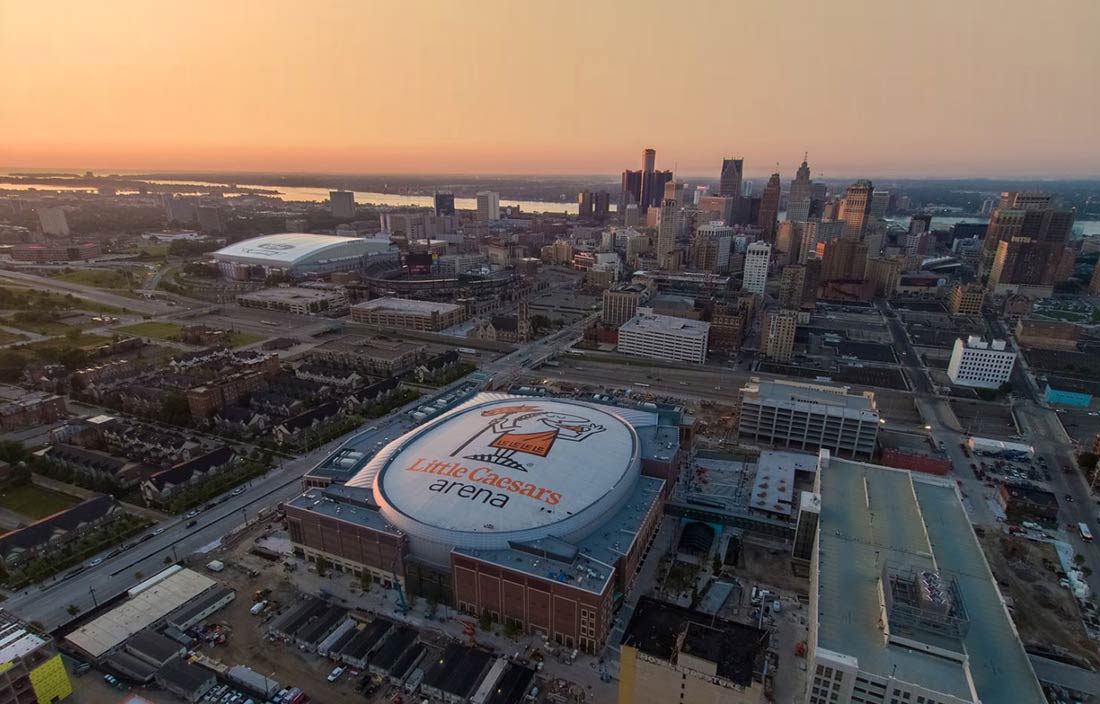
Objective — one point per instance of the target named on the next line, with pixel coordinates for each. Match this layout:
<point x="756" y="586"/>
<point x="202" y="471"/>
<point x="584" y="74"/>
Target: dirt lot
<point x="1044" y="612"/>
<point x="984" y="419"/>
<point x="769" y="566"/>
<point x="247" y="645"/>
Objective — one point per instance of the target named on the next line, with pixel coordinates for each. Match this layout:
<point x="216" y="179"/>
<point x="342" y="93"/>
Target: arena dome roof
<point x="297" y="248"/>
<point x="506" y="470"/>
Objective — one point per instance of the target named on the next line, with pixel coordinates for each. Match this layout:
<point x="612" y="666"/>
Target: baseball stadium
<point x="537" y="510"/>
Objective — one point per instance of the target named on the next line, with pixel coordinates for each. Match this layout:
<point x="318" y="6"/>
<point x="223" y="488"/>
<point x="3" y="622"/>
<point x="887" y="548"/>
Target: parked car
<point x="191" y="524"/>
<point x="335" y="674"/>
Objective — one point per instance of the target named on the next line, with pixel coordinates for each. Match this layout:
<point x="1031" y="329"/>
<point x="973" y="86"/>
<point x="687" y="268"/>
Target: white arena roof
<point x="295" y="248"/>
<point x="506" y="469"/>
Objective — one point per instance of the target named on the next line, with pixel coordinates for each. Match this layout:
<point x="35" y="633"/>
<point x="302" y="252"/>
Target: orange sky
<point x="869" y="87"/>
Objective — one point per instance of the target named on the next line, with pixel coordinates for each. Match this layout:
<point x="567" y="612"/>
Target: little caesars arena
<point x="536" y="510"/>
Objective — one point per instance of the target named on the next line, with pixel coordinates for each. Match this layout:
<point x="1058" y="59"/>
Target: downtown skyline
<point x="868" y="89"/>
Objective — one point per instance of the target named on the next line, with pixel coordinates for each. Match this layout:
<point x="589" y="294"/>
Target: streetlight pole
<point x="91" y="589"/>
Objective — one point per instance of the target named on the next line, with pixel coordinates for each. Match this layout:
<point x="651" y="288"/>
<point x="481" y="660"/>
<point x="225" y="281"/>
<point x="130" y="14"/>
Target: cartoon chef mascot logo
<point x="526" y="430"/>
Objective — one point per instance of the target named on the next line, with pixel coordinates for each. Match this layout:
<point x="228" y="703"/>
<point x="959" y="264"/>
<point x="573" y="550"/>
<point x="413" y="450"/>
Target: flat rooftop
<point x="146" y="608"/>
<point x="873" y="515"/>
<point x="664" y="631"/>
<point x="407" y="305"/>
<point x="807" y="397"/>
<point x="666" y="324"/>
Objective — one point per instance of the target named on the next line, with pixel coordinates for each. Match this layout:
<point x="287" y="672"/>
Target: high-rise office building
<point x="788" y="241"/>
<point x="730" y="181"/>
<point x="649" y="182"/>
<point x="179" y="210"/>
<point x="585" y="205"/>
<point x="981" y="364"/>
<point x="444" y="203"/>
<point x="880" y="203"/>
<point x="488" y="206"/>
<point x="769" y="207"/>
<point x="621" y="301"/>
<point x="757" y="257"/>
<point x="668" y="256"/>
<point x="717" y="208"/>
<point x="800" y="199"/>
<point x="1023" y="266"/>
<point x="53" y="221"/>
<point x="967" y="299"/>
<point x="711" y="247"/>
<point x="1094" y="281"/>
<point x="342" y="204"/>
<point x="631" y="193"/>
<point x="845" y="260"/>
<point x="856" y="208"/>
<point x="777" y="335"/>
<point x="885" y="274"/>
<point x="791" y="284"/>
<point x="601" y="205"/>
<point x="1026" y="215"/>
<point x="815" y="235"/>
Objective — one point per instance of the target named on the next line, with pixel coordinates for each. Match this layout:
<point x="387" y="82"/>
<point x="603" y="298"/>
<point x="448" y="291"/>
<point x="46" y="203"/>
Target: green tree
<point x="486" y="620"/>
<point x="365" y="581"/>
<point x="175" y="409"/>
<point x="323" y="566"/>
<point x="73" y="609"/>
<point x="1087" y="462"/>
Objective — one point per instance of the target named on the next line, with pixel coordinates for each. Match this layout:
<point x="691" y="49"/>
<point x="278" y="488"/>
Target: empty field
<point x="33" y="501"/>
<point x="157" y="331"/>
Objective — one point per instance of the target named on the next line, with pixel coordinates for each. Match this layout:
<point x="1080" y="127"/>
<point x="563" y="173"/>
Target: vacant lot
<point x="157" y="331"/>
<point x="1071" y="364"/>
<point x="34" y="502"/>
<point x="984" y="419"/>
<point x="239" y="338"/>
<point x="1046" y="614"/>
<point x="100" y="278"/>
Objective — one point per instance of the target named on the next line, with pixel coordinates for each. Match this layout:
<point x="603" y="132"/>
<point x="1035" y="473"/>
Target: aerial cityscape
<point x="498" y="354"/>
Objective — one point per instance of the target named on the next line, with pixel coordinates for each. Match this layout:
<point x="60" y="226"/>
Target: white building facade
<point x="757" y="256"/>
<point x="981" y="364"/>
<point x="664" y="337"/>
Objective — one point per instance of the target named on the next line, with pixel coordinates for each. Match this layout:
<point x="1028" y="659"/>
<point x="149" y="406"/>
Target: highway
<point x="91" y="293"/>
<point x="49" y="604"/>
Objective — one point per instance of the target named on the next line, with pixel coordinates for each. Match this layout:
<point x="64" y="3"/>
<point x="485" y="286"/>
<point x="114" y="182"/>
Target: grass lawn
<point x="239" y="338"/>
<point x="158" y="331"/>
<point x="49" y="327"/>
<point x="66" y="301"/>
<point x="100" y="278"/>
<point x="84" y="342"/>
<point x="34" y="502"/>
<point x="9" y="337"/>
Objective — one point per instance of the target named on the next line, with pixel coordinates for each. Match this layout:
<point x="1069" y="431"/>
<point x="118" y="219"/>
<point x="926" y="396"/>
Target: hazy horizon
<point x="946" y="90"/>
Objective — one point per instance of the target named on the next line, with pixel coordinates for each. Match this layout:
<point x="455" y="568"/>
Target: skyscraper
<point x="800" y="199"/>
<point x="777" y="332"/>
<point x="584" y="204"/>
<point x="730" y="181"/>
<point x="488" y="206"/>
<point x="342" y="204"/>
<point x="711" y="247"/>
<point x="769" y="207"/>
<point x="755" y="279"/>
<point x="668" y="257"/>
<point x="601" y="205"/>
<point x="791" y="283"/>
<point x="444" y="203"/>
<point x="856" y="208"/>
<point x="631" y="190"/>
<point x="1026" y="216"/>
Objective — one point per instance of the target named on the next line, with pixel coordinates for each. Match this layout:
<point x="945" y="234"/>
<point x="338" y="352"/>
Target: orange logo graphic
<point x="527" y="430"/>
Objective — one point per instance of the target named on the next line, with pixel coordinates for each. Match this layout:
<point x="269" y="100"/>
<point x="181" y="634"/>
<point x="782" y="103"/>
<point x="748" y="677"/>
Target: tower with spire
<point x="800" y="199"/>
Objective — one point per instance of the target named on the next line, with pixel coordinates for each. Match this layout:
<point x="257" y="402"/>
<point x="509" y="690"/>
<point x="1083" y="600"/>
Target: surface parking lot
<point x="984" y="419"/>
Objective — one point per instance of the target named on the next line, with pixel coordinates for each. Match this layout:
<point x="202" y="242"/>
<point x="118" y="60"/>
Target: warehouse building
<point x="903" y="606"/>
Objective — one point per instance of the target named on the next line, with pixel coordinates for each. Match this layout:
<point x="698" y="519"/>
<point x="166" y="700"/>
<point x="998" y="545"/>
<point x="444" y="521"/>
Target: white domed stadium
<point x="296" y="254"/>
<point x="538" y="510"/>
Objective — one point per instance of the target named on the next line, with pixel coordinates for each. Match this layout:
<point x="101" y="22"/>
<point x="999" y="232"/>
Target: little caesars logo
<point x="513" y="434"/>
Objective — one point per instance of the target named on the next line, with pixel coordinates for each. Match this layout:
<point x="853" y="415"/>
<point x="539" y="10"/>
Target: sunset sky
<point x="876" y="88"/>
